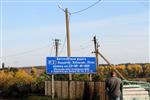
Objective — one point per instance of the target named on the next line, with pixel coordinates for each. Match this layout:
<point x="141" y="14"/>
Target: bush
<point x="15" y="84"/>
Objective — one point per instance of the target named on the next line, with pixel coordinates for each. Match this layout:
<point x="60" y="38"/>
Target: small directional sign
<point x="68" y="65"/>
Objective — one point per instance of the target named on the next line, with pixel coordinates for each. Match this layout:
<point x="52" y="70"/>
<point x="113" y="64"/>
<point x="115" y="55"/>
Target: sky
<point x="29" y="27"/>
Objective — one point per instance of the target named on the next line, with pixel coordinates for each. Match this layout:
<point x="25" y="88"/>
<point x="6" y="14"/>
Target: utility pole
<point x="96" y="45"/>
<point x="3" y="65"/>
<point x="68" y="37"/>
<point x="122" y="77"/>
<point x="56" y="48"/>
<point x="96" y="50"/>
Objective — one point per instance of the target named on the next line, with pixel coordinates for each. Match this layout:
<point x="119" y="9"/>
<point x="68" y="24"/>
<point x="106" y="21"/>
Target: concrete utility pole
<point x="56" y="48"/>
<point x="68" y="37"/>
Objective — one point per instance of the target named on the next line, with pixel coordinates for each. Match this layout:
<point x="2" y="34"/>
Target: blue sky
<point x="29" y="28"/>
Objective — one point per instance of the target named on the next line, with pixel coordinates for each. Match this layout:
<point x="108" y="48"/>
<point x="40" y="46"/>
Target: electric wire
<point x="85" y="8"/>
<point x="69" y="15"/>
<point x="51" y="50"/>
<point x="61" y="8"/>
<point x="25" y="52"/>
<point x="79" y="11"/>
<point x="63" y="45"/>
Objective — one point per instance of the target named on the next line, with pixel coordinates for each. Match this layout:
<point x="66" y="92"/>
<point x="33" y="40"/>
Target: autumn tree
<point x="134" y="70"/>
<point x="5" y="78"/>
<point x="101" y="70"/>
<point x="34" y="73"/>
<point x="23" y="77"/>
<point x="146" y="70"/>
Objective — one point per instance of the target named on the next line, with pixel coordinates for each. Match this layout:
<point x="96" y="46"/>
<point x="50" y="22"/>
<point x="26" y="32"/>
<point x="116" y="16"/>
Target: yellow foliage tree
<point x="134" y="69"/>
<point x="146" y="70"/>
<point x="34" y="73"/>
<point x="5" y="77"/>
<point x="101" y="70"/>
<point x="23" y="77"/>
<point x="121" y="68"/>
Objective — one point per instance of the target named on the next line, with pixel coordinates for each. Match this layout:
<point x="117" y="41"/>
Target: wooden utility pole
<point x="68" y="37"/>
<point x="96" y="50"/>
<point x="56" y="48"/>
<point x="112" y="66"/>
<point x="3" y="65"/>
<point x="96" y="53"/>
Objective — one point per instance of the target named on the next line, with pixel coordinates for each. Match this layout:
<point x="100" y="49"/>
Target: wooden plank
<point x="82" y="89"/>
<point x="46" y="90"/>
<point x="106" y="96"/>
<point x="97" y="90"/>
<point x="79" y="90"/>
<point x="103" y="90"/>
<point x="91" y="90"/>
<point x="72" y="90"/>
<point x="58" y="89"/>
<point x="64" y="89"/>
<point x="86" y="92"/>
<point x="49" y="88"/>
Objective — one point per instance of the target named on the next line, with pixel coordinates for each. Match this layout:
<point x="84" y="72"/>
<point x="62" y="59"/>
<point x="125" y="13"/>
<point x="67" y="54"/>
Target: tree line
<point x="18" y="83"/>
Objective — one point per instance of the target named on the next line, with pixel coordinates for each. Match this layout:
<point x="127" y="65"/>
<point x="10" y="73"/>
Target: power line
<point x="61" y="8"/>
<point x="86" y="8"/>
<point x="79" y="10"/>
<point x="63" y="45"/>
<point x="51" y="50"/>
<point x="25" y="52"/>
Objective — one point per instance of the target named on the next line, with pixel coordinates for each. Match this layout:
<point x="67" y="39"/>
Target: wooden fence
<point x="77" y="90"/>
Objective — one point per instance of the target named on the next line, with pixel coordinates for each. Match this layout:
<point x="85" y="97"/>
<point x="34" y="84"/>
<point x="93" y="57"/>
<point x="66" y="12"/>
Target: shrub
<point x="15" y="84"/>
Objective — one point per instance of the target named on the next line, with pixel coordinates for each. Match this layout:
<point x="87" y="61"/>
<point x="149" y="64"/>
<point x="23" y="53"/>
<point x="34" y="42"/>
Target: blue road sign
<point x="68" y="65"/>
